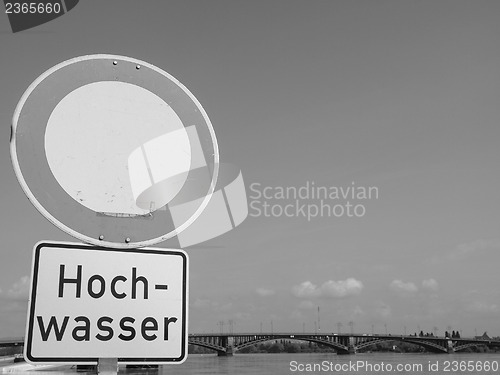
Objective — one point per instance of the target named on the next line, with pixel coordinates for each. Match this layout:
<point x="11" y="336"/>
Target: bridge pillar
<point x="351" y="346"/>
<point x="449" y="345"/>
<point x="228" y="343"/>
<point x="350" y="350"/>
<point x="350" y="343"/>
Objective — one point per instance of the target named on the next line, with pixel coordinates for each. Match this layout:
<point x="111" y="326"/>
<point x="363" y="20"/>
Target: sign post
<point x="119" y="154"/>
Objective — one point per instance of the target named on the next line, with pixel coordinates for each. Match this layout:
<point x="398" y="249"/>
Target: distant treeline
<point x="10" y="351"/>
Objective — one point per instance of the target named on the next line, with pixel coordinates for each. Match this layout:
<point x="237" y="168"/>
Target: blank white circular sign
<point x="117" y="148"/>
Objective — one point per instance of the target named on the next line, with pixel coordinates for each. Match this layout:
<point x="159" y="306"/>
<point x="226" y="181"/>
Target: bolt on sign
<point x="89" y="303"/>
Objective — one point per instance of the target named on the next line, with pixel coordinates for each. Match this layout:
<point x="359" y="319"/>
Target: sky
<point x="399" y="96"/>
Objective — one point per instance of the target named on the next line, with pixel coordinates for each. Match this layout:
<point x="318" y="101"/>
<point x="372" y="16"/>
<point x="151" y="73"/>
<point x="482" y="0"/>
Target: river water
<point x="325" y="363"/>
<point x="315" y="363"/>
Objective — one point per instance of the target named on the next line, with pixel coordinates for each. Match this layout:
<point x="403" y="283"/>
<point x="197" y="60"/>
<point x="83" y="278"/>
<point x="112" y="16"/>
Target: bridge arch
<point x="429" y="345"/>
<point x="207" y="345"/>
<point x="331" y="344"/>
<point x="468" y="345"/>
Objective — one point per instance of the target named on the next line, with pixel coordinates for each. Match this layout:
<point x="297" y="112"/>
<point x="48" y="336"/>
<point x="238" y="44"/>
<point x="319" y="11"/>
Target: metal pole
<point x="107" y="366"/>
<point x="319" y="321"/>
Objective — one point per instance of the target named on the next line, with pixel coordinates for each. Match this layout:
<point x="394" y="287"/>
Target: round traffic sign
<point x="105" y="146"/>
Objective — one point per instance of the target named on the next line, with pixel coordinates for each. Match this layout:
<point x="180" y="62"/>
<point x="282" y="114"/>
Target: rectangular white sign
<point x="88" y="303"/>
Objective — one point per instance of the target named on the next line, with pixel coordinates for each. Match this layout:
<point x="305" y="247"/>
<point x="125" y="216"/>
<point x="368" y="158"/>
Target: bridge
<point x="227" y="344"/>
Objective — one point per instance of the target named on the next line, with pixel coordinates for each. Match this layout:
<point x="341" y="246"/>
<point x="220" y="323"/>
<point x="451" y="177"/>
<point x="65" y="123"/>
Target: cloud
<point x="342" y="288"/>
<point x="20" y="288"/>
<point x="465" y="249"/>
<point x="263" y="292"/>
<point x="406" y="288"/>
<point x="330" y="289"/>
<point x="430" y="284"/>
<point x="203" y="304"/>
<point x="18" y="291"/>
<point x="200" y="303"/>
<point x="401" y="286"/>
<point x="306" y="289"/>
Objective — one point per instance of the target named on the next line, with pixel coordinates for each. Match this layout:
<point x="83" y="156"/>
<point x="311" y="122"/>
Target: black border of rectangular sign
<point x="94" y="360"/>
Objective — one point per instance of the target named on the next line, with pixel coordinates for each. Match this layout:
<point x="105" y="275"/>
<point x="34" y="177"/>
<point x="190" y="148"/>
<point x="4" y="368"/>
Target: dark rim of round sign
<point x="36" y="178"/>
